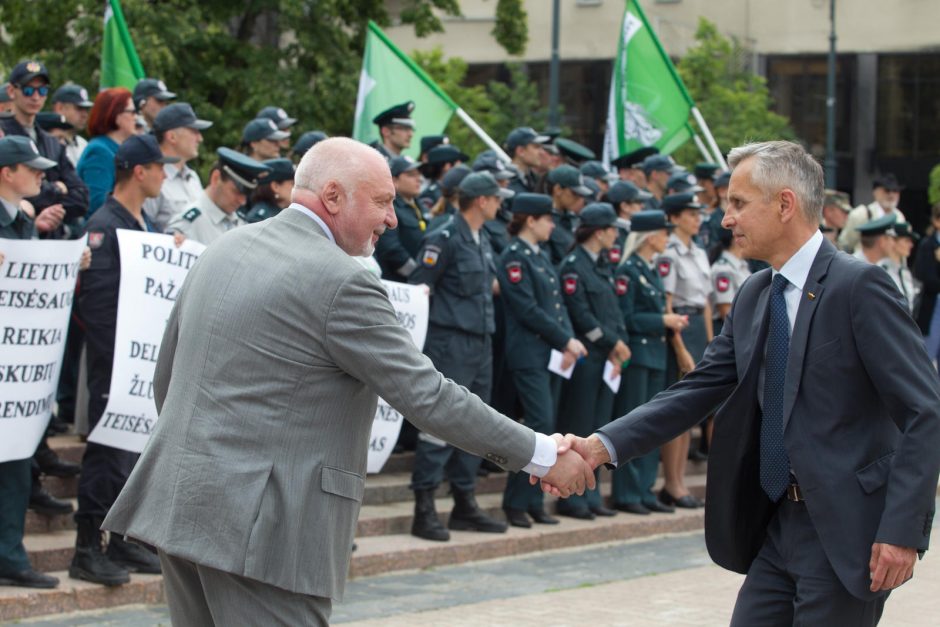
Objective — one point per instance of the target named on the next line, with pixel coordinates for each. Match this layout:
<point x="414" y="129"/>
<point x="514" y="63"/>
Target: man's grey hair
<point x="339" y="159"/>
<point x="783" y="164"/>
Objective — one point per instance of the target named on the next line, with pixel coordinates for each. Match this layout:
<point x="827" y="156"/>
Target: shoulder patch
<point x="571" y="258"/>
<point x="192" y="214"/>
<point x="622" y="284"/>
<point x="570" y="283"/>
<point x="95" y="239"/>
<point x="722" y="283"/>
<point x="514" y="247"/>
<point x="664" y="266"/>
<point x="614" y="253"/>
<point x="514" y="271"/>
<point x="430" y="256"/>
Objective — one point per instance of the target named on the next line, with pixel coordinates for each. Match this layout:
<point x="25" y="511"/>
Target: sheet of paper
<point x="554" y="365"/>
<point x="612" y="382"/>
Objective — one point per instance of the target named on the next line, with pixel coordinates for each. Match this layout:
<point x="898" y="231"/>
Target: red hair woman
<point x="111" y="121"/>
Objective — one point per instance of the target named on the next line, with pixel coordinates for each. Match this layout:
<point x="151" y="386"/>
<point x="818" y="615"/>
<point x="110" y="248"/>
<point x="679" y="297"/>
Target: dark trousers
<point x="14" y="497"/>
<point x="67" y="391"/>
<point x="466" y="359"/>
<point x="586" y="405"/>
<point x="791" y="582"/>
<point x="633" y="481"/>
<point x="539" y="391"/>
<point x="105" y="469"/>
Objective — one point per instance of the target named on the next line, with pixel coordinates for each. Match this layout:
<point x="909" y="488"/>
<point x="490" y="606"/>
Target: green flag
<point x="120" y="66"/>
<point x="649" y="105"/>
<point x="389" y="77"/>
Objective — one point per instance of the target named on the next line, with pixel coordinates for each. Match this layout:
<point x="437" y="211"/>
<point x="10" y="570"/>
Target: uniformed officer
<point x="457" y="264"/>
<point x="643" y="305"/>
<point x="139" y="175"/>
<point x="905" y="239"/>
<point x="150" y="96"/>
<point x="627" y="200"/>
<point x="683" y="182"/>
<point x="574" y="153"/>
<point x="396" y="128"/>
<point x="686" y="278"/>
<point x="397" y="248"/>
<point x="630" y="165"/>
<point x="524" y="147"/>
<point x="440" y="160"/>
<point x="658" y="169"/>
<point x="497" y="228"/>
<point x="876" y="239"/>
<point x="836" y="209"/>
<point x="729" y="271"/>
<point x="179" y="133"/>
<point x="537" y="322"/>
<point x="705" y="177"/>
<point x="274" y="194"/>
<point x="261" y="139"/>
<point x="591" y="299"/>
<point x="305" y="142"/>
<point x="231" y="179"/>
<point x="596" y="171"/>
<point x="431" y="141"/>
<point x="712" y="225"/>
<point x="71" y="101"/>
<point x="284" y="122"/>
<point x="569" y="195"/>
<point x="445" y="208"/>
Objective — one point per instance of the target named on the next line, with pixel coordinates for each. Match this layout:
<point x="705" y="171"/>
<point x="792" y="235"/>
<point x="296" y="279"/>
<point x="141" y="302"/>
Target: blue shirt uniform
<point x="397" y="248"/>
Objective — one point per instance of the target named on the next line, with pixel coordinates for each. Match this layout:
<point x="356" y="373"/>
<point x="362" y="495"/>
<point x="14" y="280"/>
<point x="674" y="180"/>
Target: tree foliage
<point x="733" y="100"/>
<point x="933" y="186"/>
<point x="512" y="26"/>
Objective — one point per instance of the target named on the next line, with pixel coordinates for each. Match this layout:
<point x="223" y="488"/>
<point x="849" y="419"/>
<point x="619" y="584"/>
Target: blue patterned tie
<point x="774" y="463"/>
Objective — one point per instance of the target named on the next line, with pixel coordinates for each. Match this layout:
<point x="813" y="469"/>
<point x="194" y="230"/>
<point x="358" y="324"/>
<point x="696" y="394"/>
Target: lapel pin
<point x="811" y="296"/>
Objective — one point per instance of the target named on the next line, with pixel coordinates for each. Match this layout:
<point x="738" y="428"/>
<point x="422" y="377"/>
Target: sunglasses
<point x="29" y="90"/>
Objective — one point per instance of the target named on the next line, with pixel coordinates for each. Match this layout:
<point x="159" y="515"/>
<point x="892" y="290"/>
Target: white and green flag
<point x="389" y="77"/>
<point x="120" y="66"/>
<point x="649" y="105"/>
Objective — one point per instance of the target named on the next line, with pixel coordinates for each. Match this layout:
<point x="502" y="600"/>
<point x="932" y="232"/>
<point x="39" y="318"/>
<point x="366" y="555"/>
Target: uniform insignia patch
<point x="622" y="285"/>
<point x="665" y="265"/>
<point x="614" y="254"/>
<point x="570" y="283"/>
<point x="192" y="214"/>
<point x="643" y="280"/>
<point x="95" y="239"/>
<point x="514" y="270"/>
<point x="429" y="258"/>
<point x="722" y="283"/>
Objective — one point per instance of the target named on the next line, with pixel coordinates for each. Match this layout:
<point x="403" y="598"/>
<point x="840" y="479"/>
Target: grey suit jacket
<point x="861" y="419"/>
<point x="267" y="385"/>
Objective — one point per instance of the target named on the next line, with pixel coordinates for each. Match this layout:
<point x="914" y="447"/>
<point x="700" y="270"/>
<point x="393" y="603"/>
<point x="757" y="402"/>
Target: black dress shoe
<point x="29" y="578"/>
<point x="633" y="508"/>
<point x="657" y="506"/>
<point x="600" y="510"/>
<point x="686" y="502"/>
<point x="541" y="517"/>
<point x="581" y="513"/>
<point x="698" y="456"/>
<point x="518" y="518"/>
<point x="50" y="464"/>
<point x="42" y="502"/>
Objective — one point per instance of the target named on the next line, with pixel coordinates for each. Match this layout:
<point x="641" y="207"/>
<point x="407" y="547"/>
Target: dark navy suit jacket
<point x="861" y="419"/>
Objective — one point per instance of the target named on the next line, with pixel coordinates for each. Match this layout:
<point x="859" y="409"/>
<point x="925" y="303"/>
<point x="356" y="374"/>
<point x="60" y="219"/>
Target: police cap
<point x="658" y="163"/>
<point x="47" y="120"/>
<point x="179" y="115"/>
<point x="242" y="169"/>
<point x="401" y="164"/>
<point x="837" y="199"/>
<point x="904" y="229"/>
<point x="706" y="170"/>
<point x="574" y="151"/>
<point x="16" y="149"/>
<point x="653" y="220"/>
<point x="888" y="180"/>
<point x="262" y="128"/>
<point x="599" y="214"/>
<point x="532" y="204"/>
<point x="879" y="226"/>
<point x="523" y="136"/>
<point x="451" y="181"/>
<point x="625" y="191"/>
<point x="722" y="179"/>
<point x="140" y="150"/>
<point x="281" y="170"/>
<point x="445" y="153"/>
<point x="307" y="141"/>
<point x="676" y="203"/>
<point x="399" y="114"/>
<point x="151" y="87"/>
<point x="594" y="170"/>
<point x="635" y="158"/>
<point x="278" y="116"/>
<point x="683" y="182"/>
<point x="27" y="71"/>
<point x="570" y="178"/>
<point x="430" y="141"/>
<point x="489" y="161"/>
<point x="478" y="184"/>
<point x="71" y="93"/>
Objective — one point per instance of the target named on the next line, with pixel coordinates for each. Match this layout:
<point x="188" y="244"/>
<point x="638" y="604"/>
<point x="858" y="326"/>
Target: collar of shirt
<point x="594" y="256"/>
<point x="315" y="218"/>
<point x="796" y="269"/>
<point x="735" y="261"/>
<point x="10" y="212"/>
<point x="212" y="210"/>
<point x="173" y="172"/>
<point x="680" y="247"/>
<point x="534" y="246"/>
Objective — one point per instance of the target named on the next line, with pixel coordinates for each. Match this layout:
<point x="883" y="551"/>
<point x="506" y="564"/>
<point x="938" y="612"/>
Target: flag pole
<point x="709" y="137"/>
<point x="701" y="147"/>
<point x="482" y="135"/>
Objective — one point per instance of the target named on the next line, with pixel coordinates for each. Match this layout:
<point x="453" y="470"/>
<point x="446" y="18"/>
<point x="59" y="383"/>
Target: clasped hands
<point x="573" y="472"/>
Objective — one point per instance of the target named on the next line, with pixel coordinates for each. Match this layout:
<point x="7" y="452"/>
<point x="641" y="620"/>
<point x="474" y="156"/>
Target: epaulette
<point x="192" y="214"/>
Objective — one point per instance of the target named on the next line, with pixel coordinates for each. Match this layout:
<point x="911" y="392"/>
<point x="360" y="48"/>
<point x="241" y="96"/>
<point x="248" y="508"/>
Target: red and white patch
<point x="570" y="283"/>
<point x="514" y="271"/>
<point x="614" y="254"/>
<point x="95" y="239"/>
<point x="430" y="256"/>
<point x="665" y="265"/>
<point x="722" y="284"/>
<point x="622" y="284"/>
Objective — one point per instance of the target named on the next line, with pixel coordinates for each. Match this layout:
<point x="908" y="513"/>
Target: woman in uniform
<point x="729" y="271"/>
<point x="274" y="194"/>
<point x="643" y="303"/>
<point x="536" y="323"/>
<point x="686" y="278"/>
<point x="588" y="286"/>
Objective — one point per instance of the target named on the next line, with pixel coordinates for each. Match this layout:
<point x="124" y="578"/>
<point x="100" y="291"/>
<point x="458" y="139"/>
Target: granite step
<point x="40" y="523"/>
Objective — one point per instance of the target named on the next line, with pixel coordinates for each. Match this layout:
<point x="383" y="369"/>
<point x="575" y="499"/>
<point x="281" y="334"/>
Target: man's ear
<point x="333" y="197"/>
<point x="788" y="205"/>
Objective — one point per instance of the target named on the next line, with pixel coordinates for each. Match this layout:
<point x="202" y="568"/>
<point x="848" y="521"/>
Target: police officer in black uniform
<point x="588" y="287"/>
<point x="440" y="160"/>
<point x="456" y="262"/>
<point x="397" y="248"/>
<point x="569" y="195"/>
<point x="627" y="199"/>
<point x="139" y="175"/>
<point x="537" y="322"/>
<point x="396" y="129"/>
<point x="274" y="193"/>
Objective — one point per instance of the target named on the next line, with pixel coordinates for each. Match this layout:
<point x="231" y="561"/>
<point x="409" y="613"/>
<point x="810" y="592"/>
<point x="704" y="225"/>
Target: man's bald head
<point x="338" y="159"/>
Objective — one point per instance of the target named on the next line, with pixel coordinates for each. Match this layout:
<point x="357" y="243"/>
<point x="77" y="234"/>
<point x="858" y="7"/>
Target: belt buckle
<point x="794" y="493"/>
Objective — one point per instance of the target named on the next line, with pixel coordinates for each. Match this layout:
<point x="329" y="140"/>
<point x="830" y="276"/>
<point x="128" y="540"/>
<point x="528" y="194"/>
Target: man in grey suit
<point x="267" y="382"/>
<point x="822" y="474"/>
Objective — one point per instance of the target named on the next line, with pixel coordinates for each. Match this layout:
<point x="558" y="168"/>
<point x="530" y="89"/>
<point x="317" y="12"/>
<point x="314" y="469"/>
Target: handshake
<point x="573" y="471"/>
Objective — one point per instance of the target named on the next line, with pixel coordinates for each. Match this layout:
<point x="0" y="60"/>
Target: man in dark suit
<point x="824" y="463"/>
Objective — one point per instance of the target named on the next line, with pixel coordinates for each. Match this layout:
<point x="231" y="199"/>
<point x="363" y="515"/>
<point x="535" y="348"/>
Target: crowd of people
<point x="619" y="277"/>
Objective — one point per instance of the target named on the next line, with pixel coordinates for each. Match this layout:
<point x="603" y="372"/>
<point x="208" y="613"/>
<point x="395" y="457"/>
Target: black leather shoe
<point x="633" y="508"/>
<point x="29" y="578"/>
<point x="426" y="524"/>
<point x="518" y="518"/>
<point x="44" y="503"/>
<point x="698" y="456"/>
<point x="467" y="515"/>
<point x="657" y="506"/>
<point x="50" y="464"/>
<point x="686" y="502"/>
<point x="132" y="557"/>
<point x="600" y="510"/>
<point x="541" y="517"/>
<point x="581" y="513"/>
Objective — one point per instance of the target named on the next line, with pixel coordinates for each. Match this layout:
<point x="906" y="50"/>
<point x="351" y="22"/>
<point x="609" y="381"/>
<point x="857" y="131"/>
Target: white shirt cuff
<point x="611" y="451"/>
<point x="545" y="456"/>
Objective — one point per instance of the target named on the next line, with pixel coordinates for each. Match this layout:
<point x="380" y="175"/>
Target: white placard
<point x="613" y="382"/>
<point x="153" y="269"/>
<point x="411" y="305"/>
<point x="554" y="364"/>
<point x="37" y="287"/>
